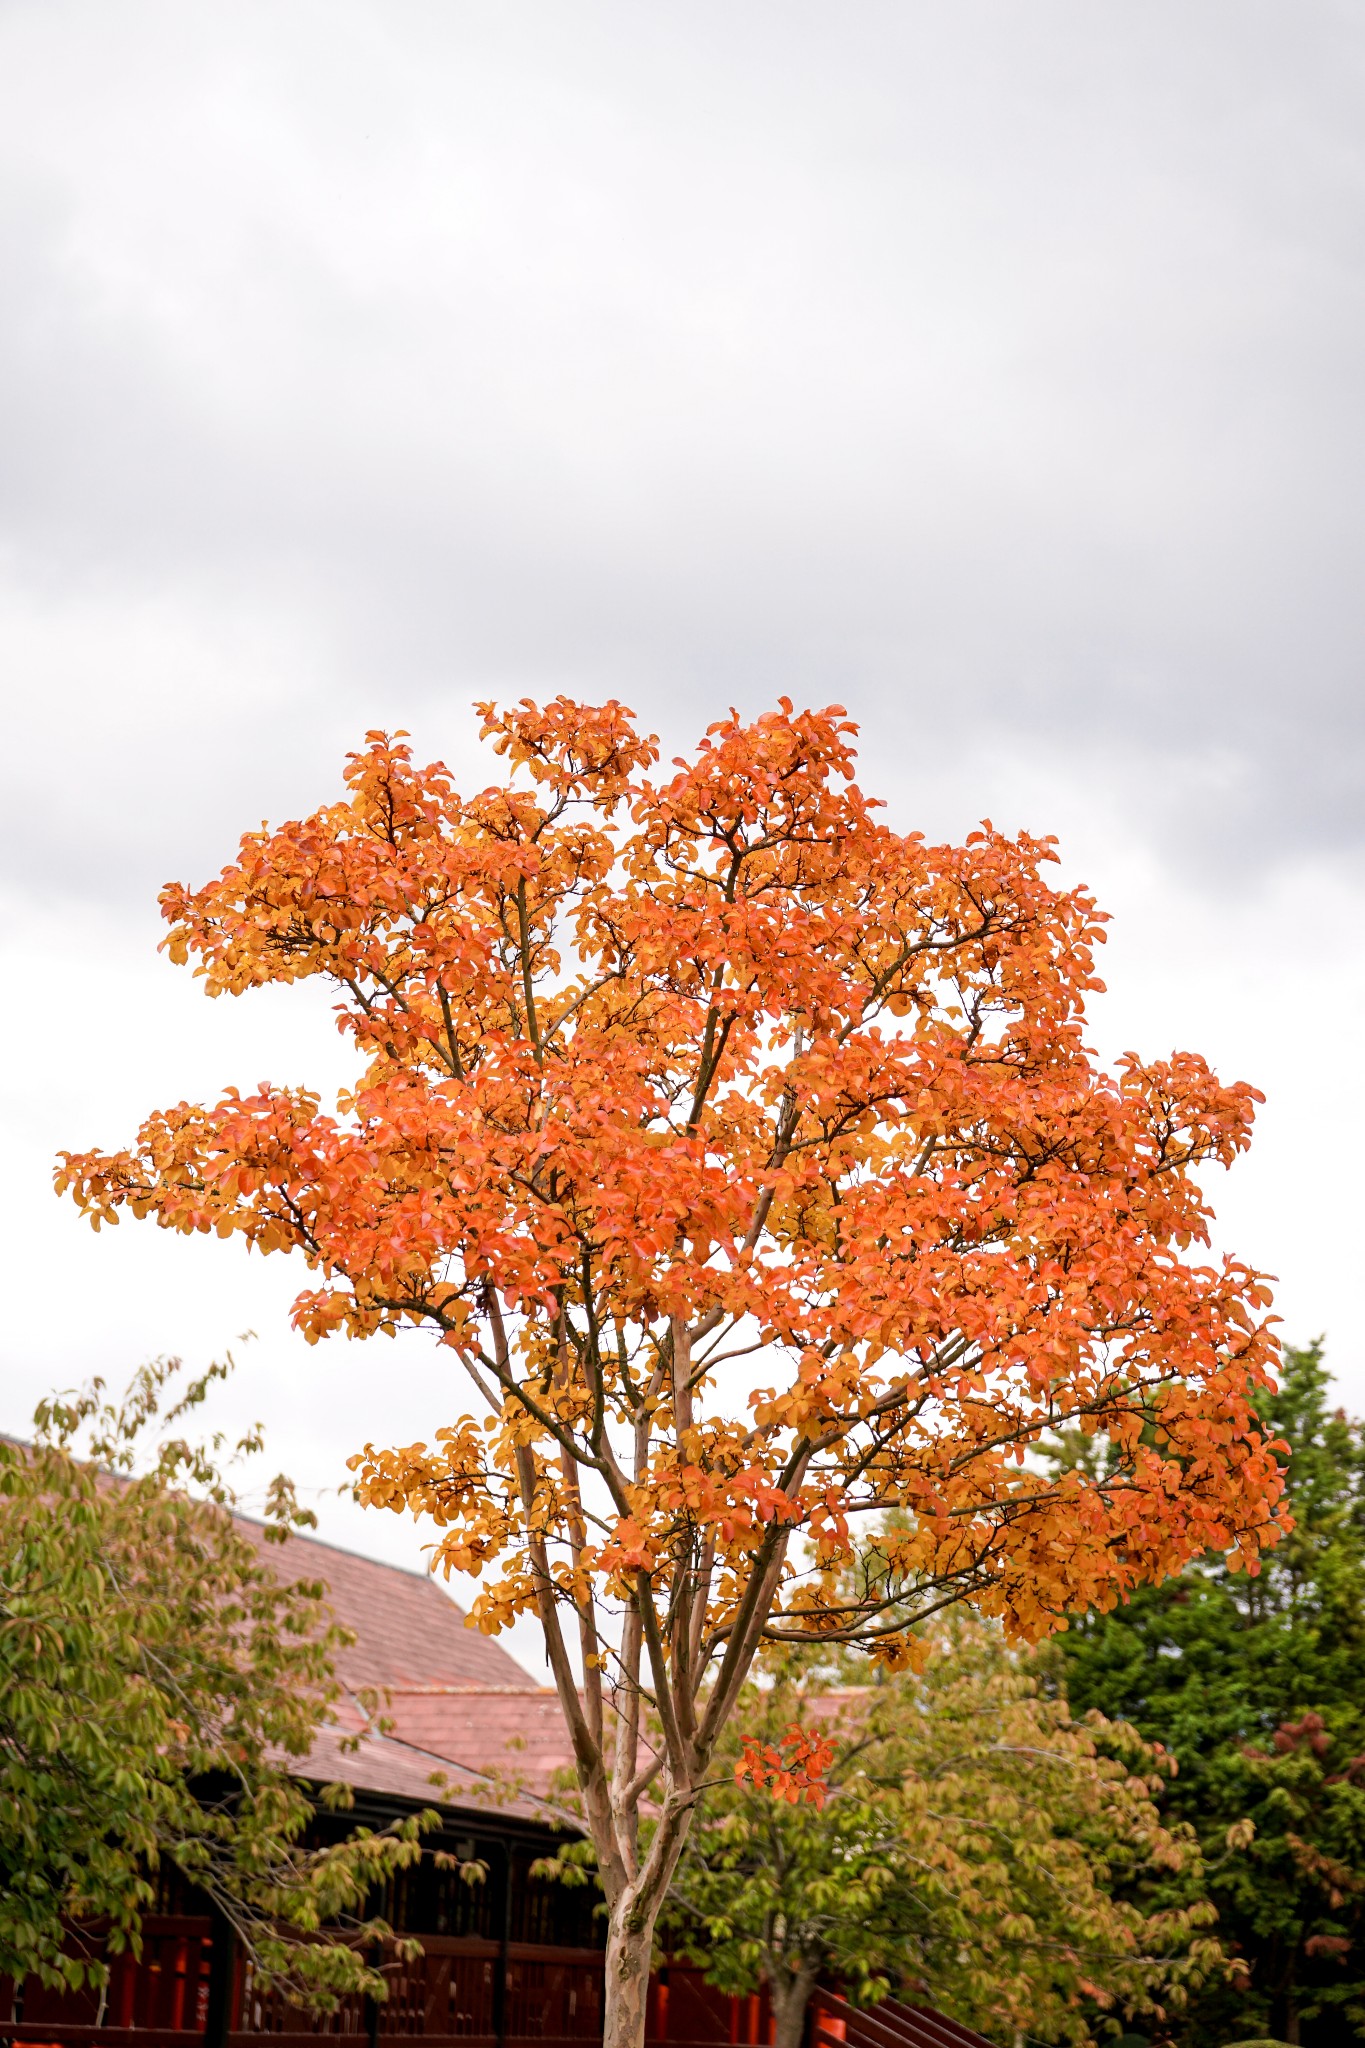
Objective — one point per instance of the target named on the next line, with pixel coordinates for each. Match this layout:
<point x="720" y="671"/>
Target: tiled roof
<point x="490" y="1745"/>
<point x="454" y="1701"/>
<point x="408" y="1630"/>
<point x="496" y="1751"/>
<point x="389" y="1769"/>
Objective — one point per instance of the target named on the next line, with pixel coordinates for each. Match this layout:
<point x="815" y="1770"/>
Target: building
<point x="506" y="1962"/>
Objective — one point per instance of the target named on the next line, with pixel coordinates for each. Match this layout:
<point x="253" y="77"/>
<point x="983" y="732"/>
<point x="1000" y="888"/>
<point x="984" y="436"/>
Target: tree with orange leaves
<point x="748" y="1156"/>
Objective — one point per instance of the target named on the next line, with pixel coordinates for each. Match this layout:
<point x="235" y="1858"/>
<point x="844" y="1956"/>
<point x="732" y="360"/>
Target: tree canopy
<point x="975" y="1847"/>
<point x="1257" y="1685"/>
<point x="748" y="1156"/>
<point x="157" y="1678"/>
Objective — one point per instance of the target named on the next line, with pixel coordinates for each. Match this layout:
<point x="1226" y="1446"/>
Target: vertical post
<point x="371" y="2006"/>
<point x="504" y="1908"/>
<point x="222" y="1969"/>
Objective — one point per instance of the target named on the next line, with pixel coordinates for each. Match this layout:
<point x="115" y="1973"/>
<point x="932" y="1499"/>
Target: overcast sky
<point x="997" y="370"/>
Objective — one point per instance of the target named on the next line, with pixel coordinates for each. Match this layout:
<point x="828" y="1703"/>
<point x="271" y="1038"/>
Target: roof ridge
<point x="239" y="1514"/>
<point x="408" y="1571"/>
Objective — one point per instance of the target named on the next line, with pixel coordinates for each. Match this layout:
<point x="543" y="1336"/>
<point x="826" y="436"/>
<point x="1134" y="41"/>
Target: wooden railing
<point x="448" y="1997"/>
<point x="165" y="1992"/>
<point x="834" y="2023"/>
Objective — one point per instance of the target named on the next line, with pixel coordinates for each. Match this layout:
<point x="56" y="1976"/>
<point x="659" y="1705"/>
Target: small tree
<point x="156" y="1676"/>
<point x="971" y="1843"/>
<point x="748" y="1157"/>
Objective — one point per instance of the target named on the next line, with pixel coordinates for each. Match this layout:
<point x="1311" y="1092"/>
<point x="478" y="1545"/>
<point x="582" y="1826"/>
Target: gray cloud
<point x="995" y="370"/>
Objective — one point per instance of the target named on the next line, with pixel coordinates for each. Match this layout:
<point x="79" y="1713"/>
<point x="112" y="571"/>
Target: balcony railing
<point x="551" y="1998"/>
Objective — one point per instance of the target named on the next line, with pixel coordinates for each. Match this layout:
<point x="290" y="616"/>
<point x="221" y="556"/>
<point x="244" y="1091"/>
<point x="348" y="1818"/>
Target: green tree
<point x="967" y="1849"/>
<point x="1257" y="1685"/>
<point x="156" y="1678"/>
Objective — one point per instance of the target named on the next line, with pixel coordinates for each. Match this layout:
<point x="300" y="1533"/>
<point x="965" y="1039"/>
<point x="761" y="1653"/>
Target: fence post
<point x="222" y="1968"/>
<point x="504" y="1944"/>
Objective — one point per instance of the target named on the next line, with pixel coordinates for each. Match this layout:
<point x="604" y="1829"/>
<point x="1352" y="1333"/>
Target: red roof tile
<point x="455" y="1701"/>
<point x="496" y="1751"/>
<point x="387" y="1768"/>
<point x="408" y="1630"/>
<point x="488" y="1743"/>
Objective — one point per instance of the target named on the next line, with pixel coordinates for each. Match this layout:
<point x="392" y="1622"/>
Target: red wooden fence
<point x="446" y="1998"/>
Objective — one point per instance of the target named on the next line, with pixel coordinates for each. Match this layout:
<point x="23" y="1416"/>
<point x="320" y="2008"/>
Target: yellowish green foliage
<point x="977" y="1847"/>
<point x="158" y="1679"/>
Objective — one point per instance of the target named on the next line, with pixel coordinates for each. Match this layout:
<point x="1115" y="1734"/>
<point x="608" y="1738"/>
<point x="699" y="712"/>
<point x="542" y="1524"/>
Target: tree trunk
<point x="1284" y="2017"/>
<point x="633" y="1910"/>
<point x="630" y="1949"/>
<point x="789" y="1991"/>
